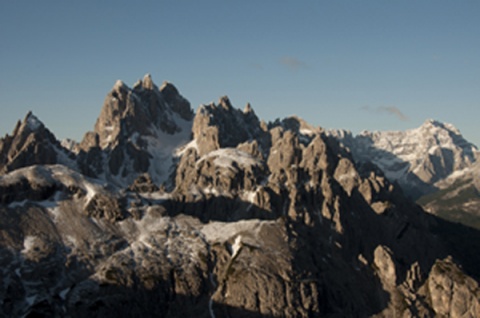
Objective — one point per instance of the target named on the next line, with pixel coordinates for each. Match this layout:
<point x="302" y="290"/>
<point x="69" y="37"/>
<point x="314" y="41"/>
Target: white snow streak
<point x="29" y="243"/>
<point x="236" y="246"/>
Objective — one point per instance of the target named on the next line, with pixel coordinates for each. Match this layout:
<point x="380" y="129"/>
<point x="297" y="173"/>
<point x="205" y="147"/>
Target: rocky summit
<point x="161" y="211"/>
<point x="433" y="164"/>
<point x="418" y="159"/>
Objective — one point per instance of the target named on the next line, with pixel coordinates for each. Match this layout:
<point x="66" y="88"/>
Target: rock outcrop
<point x="459" y="197"/>
<point x="213" y="125"/>
<point x="136" y="132"/>
<point x="31" y="143"/>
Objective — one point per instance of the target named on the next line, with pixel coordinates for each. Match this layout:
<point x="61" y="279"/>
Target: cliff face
<point x="245" y="219"/>
<point x="136" y="132"/>
<point x="31" y="143"/>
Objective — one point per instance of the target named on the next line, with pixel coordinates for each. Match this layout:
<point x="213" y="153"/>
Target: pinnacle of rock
<point x="225" y="102"/>
<point x="248" y="109"/>
<point x="32" y="122"/>
<point x="119" y="84"/>
<point x="147" y="82"/>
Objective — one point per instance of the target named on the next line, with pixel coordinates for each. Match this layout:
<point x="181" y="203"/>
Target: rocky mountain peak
<point x="30" y="143"/>
<point x="31" y="125"/>
<point x="225" y="102"/>
<point x="177" y="102"/>
<point x="168" y="88"/>
<point x="119" y="86"/>
<point x="147" y="82"/>
<point x="137" y="126"/>
<point x="142" y="110"/>
<point x="248" y="108"/>
<point x="212" y="124"/>
<point x="432" y="122"/>
<point x="32" y="122"/>
<point x="416" y="158"/>
<point x="435" y="125"/>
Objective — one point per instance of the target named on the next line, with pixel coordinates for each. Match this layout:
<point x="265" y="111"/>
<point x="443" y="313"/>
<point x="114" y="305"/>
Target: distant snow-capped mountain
<point x="418" y="159"/>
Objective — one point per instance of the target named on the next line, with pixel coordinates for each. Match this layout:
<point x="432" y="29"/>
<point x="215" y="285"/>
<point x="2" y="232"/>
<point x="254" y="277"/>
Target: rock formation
<point x="160" y="214"/>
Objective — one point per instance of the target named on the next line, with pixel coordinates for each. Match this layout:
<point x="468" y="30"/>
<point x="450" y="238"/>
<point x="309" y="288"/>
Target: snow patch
<point x="224" y="231"/>
<point x="64" y="159"/>
<point x="163" y="147"/>
<point x="250" y="196"/>
<point x="33" y="122"/>
<point x="307" y="132"/>
<point x="211" y="190"/>
<point x="91" y="191"/>
<point x="157" y="196"/>
<point x="17" y="204"/>
<point x="55" y="212"/>
<point x="71" y="241"/>
<point x="29" y="243"/>
<point x="192" y="144"/>
<point x="226" y="157"/>
<point x="236" y="246"/>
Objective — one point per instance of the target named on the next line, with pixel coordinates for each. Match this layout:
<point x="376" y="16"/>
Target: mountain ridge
<point x="417" y="158"/>
<point x="241" y="218"/>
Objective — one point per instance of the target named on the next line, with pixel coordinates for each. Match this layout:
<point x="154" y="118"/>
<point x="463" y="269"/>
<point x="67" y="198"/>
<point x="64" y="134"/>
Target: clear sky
<point x="375" y="65"/>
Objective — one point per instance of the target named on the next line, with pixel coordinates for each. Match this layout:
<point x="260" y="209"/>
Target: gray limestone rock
<point x="137" y="128"/>
<point x="452" y="293"/>
<point x="213" y="123"/>
<point x="31" y="143"/>
<point x="253" y="220"/>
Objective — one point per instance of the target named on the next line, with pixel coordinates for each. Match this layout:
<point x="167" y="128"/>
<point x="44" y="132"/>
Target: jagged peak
<point x="32" y="122"/>
<point x="169" y="89"/>
<point x="119" y="84"/>
<point x="340" y="133"/>
<point x="225" y="102"/>
<point x="166" y="84"/>
<point x="248" y="109"/>
<point x="432" y="123"/>
<point x="147" y="81"/>
<point x="224" y="105"/>
<point x="138" y="84"/>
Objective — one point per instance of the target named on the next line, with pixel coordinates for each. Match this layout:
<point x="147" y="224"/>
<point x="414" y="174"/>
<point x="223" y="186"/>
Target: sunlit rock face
<point x="418" y="159"/>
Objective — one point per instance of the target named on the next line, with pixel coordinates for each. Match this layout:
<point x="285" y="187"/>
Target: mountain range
<point x="163" y="211"/>
<point x="433" y="164"/>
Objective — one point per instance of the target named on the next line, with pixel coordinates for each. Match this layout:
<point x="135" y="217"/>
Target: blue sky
<point x="375" y="65"/>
